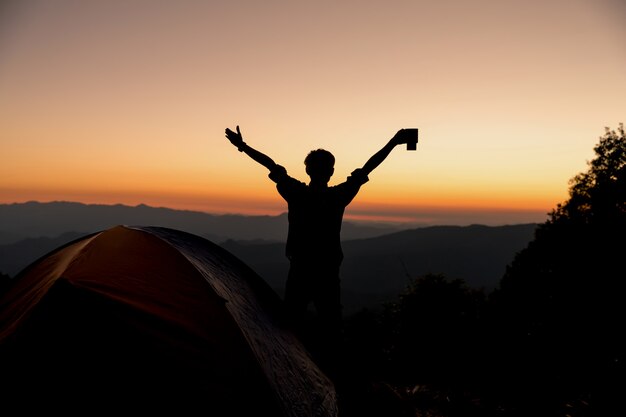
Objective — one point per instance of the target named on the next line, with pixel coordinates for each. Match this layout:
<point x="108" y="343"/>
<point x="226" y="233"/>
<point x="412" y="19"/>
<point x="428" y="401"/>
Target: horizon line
<point x="429" y="216"/>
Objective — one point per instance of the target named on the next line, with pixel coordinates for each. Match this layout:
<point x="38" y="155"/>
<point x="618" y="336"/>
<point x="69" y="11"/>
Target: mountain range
<point x="34" y="219"/>
<point x="380" y="260"/>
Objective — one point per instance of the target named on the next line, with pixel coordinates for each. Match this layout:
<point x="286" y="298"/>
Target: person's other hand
<point x="400" y="137"/>
<point x="234" y="137"/>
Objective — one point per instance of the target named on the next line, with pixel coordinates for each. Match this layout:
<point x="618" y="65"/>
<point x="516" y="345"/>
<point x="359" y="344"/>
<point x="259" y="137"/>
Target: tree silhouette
<point x="561" y="297"/>
<point x="434" y="322"/>
<point x="426" y="342"/>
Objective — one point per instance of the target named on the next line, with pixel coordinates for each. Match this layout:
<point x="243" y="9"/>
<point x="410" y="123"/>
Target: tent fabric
<point x="154" y="317"/>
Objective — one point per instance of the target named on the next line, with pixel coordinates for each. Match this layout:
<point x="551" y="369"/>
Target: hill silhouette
<point x="378" y="268"/>
<point x="379" y="259"/>
<point x="34" y="219"/>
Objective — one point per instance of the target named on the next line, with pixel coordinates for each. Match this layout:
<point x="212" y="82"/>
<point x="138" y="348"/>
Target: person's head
<point x="320" y="165"/>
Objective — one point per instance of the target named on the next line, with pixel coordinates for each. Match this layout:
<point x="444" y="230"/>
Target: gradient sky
<point x="127" y="101"/>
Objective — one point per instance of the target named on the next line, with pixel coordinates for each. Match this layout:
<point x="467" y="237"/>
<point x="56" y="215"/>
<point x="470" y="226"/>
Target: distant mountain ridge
<point x="379" y="262"/>
<point x="34" y="219"/>
<point x="386" y="264"/>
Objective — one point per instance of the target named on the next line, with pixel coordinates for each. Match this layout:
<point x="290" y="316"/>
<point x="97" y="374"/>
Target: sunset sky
<point x="127" y="101"/>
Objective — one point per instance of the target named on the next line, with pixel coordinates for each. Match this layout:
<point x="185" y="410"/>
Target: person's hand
<point x="406" y="136"/>
<point x="400" y="137"/>
<point x="235" y="137"/>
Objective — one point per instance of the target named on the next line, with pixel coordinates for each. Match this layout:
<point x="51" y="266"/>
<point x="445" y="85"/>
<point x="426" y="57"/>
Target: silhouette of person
<point x="315" y="215"/>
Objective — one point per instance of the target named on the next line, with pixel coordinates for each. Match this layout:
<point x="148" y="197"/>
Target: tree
<point x="434" y="329"/>
<point x="561" y="296"/>
<point x="427" y="343"/>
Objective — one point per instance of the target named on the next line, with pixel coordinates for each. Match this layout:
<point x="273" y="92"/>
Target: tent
<point x="157" y="319"/>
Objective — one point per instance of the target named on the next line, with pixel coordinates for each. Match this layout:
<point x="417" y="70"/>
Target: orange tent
<point x="157" y="319"/>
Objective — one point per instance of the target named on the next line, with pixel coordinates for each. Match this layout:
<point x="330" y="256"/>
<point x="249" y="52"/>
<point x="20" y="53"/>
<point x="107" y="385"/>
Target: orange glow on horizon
<point x="400" y="211"/>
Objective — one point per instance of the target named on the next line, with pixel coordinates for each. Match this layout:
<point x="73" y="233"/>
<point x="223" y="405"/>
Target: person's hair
<point x="320" y="164"/>
<point x="320" y="158"/>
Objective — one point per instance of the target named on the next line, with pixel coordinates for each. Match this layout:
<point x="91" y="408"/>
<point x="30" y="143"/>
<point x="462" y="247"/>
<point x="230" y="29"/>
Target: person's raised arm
<point x="376" y="159"/>
<point x="237" y="139"/>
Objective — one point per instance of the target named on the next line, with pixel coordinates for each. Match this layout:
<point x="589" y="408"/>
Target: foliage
<point x="433" y="324"/>
<point x="561" y="298"/>
<point x="425" y="343"/>
<point x="598" y="195"/>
